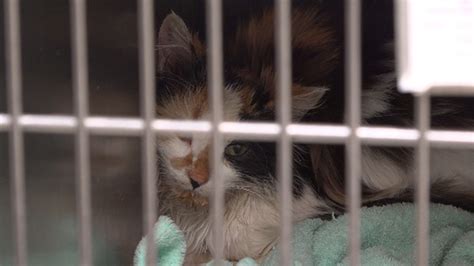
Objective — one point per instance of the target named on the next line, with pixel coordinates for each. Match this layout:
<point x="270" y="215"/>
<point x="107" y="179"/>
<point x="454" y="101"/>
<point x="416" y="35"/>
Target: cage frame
<point x="350" y="134"/>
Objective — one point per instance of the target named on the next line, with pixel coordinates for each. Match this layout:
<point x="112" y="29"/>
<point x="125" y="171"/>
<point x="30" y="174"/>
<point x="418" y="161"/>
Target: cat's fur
<point x="251" y="222"/>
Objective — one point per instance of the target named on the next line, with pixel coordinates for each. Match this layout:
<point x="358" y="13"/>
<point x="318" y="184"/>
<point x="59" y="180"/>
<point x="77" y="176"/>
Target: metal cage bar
<point x="16" y="149"/>
<point x="82" y="153"/>
<point x="302" y="133"/>
<point x="147" y="90"/>
<point x="283" y="109"/>
<point x="353" y="117"/>
<point x="216" y="86"/>
<point x="422" y="164"/>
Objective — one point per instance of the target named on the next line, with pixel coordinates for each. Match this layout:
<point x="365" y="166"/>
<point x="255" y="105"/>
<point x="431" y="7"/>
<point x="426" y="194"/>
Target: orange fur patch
<point x="200" y="170"/>
<point x="191" y="198"/>
<point x="184" y="106"/>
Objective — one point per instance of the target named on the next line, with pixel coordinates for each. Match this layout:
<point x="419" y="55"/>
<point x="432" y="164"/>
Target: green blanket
<point x="387" y="238"/>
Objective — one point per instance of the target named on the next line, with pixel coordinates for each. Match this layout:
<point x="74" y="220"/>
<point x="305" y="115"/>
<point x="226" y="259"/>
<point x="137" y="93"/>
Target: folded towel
<point x="171" y="245"/>
<point x="387" y="238"/>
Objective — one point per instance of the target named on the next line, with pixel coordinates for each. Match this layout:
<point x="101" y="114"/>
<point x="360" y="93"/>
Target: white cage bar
<point x="352" y="116"/>
<point x="216" y="85"/>
<point x="301" y="133"/>
<point x="283" y="115"/>
<point x="147" y="100"/>
<point x="16" y="149"/>
<point x="351" y="134"/>
<point x="422" y="164"/>
<point x="80" y="82"/>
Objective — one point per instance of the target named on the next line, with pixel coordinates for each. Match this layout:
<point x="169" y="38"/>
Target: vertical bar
<point x="16" y="150"/>
<point x="80" y="86"/>
<point x="284" y="147"/>
<point x="352" y="109"/>
<point x="147" y="89"/>
<point x="215" y="74"/>
<point x="401" y="39"/>
<point x="422" y="107"/>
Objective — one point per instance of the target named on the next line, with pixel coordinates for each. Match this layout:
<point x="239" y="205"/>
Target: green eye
<point x="235" y="150"/>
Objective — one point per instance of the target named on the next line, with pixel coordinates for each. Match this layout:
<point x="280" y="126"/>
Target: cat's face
<point x="186" y="159"/>
<point x="249" y="94"/>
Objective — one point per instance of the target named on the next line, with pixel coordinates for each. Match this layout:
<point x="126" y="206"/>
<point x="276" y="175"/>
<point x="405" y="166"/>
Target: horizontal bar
<point x="106" y="126"/>
<point x="250" y="131"/>
<point x="102" y="125"/>
<point x="331" y="134"/>
<point x="450" y="139"/>
<point x="328" y="134"/>
<point x="459" y="91"/>
<point x="46" y="124"/>
<point x="4" y="122"/>
<point x="184" y="127"/>
<point x="388" y="136"/>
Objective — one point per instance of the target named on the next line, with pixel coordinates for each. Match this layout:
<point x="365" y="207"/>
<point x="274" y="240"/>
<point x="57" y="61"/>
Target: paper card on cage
<point x="435" y="44"/>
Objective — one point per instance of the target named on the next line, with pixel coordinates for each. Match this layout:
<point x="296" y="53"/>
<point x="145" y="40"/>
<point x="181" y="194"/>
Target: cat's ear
<point x="174" y="44"/>
<point x="306" y="99"/>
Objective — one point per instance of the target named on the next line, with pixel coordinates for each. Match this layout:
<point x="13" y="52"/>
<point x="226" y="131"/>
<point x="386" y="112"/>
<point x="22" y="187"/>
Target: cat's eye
<point x="236" y="149"/>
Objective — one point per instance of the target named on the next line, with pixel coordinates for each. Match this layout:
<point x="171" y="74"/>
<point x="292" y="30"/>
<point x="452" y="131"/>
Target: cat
<point x="251" y="218"/>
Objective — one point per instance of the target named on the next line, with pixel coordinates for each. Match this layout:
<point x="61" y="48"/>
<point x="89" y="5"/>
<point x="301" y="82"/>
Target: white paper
<point x="436" y="42"/>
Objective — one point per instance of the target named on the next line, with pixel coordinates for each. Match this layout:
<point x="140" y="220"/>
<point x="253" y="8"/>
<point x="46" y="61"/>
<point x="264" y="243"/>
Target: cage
<point x="79" y="129"/>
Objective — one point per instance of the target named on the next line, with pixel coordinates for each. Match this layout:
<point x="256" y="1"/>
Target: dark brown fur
<point x="315" y="55"/>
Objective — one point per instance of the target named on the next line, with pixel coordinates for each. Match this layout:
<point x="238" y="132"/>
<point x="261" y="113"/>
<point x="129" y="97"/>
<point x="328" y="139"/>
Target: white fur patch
<point x="174" y="147"/>
<point x="454" y="167"/>
<point x="306" y="101"/>
<point x="251" y="224"/>
<point x="376" y="100"/>
<point x="308" y="205"/>
<point x="380" y="173"/>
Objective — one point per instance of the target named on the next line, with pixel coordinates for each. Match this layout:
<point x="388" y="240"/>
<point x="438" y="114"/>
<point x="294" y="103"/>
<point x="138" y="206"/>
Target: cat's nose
<point x="194" y="184"/>
<point x="197" y="178"/>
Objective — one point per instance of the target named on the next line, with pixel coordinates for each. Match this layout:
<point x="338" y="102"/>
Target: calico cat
<point x="251" y="222"/>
